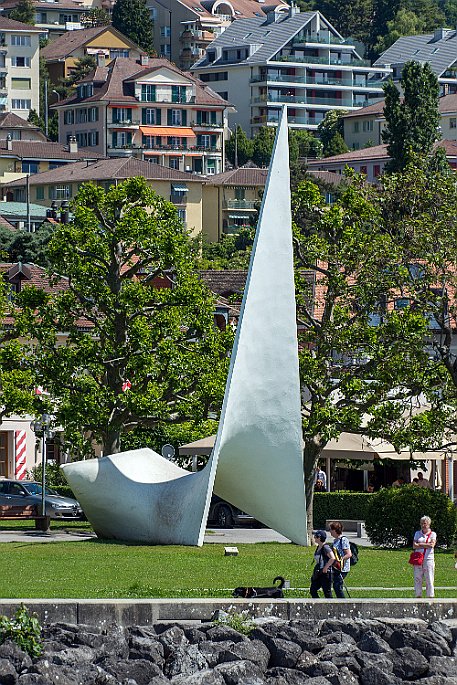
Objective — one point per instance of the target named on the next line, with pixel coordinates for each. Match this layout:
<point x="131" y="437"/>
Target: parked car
<point x="27" y="492"/>
<point x="224" y="515"/>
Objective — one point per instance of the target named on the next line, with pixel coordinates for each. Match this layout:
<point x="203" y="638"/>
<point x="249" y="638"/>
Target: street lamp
<point x="41" y="428"/>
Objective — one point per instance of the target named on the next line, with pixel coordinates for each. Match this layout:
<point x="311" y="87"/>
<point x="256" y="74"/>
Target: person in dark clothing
<point x="322" y="574"/>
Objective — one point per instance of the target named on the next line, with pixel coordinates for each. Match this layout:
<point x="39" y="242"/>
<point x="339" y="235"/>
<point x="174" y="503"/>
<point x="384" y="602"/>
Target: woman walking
<point x="322" y="574"/>
<point x="425" y="541"/>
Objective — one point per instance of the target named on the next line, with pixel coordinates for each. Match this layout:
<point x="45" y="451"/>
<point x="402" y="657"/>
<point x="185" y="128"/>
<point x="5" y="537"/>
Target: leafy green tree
<point x="82" y="67"/>
<point x="262" y="146"/>
<point x="405" y="23"/>
<point x="133" y="19"/>
<point x="352" y="18"/>
<point x="308" y="144"/>
<point x="150" y="354"/>
<point x="96" y="16"/>
<point x="24" y="12"/>
<point x="239" y="148"/>
<point x="330" y="132"/>
<point x="412" y="122"/>
<point x="232" y="252"/>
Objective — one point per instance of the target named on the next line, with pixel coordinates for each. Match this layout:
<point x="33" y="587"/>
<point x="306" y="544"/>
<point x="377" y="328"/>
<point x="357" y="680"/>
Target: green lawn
<point x="97" y="569"/>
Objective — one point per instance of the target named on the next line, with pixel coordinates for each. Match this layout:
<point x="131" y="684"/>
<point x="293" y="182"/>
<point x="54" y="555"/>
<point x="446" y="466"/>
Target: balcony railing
<point x="324" y="39"/>
<point x="299" y="79"/>
<point x="323" y="60"/>
<point x="124" y="123"/>
<point x="182" y="148"/>
<point x="239" y="204"/>
<point x="168" y="99"/>
<point x="274" y="119"/>
<point x="302" y="100"/>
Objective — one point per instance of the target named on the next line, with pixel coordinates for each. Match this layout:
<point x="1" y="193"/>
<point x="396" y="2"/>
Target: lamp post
<point x="41" y="428"/>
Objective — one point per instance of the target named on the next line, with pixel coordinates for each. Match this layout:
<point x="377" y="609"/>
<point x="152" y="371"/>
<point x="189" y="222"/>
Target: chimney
<point x="293" y="9"/>
<point x="144" y="60"/>
<point x="9" y="142"/>
<point x="72" y="145"/>
<point x="101" y="59"/>
<point x="439" y="34"/>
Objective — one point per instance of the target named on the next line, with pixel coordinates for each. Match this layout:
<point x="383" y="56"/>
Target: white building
<point x="19" y="67"/>
<point x="291" y="58"/>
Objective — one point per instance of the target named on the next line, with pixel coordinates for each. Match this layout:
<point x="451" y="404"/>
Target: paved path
<point x="233" y="536"/>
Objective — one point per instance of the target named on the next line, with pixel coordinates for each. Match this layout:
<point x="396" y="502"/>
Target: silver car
<point x="27" y="492"/>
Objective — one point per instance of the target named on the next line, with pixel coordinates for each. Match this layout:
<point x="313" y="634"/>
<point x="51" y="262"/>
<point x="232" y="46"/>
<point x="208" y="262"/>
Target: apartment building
<point x="439" y="49"/>
<point x="287" y="58"/>
<point x="150" y="110"/>
<point x="183" y="29"/>
<point x="365" y="125"/>
<point x="19" y="67"/>
<point x="53" y="17"/>
<point x="62" y="54"/>
<point x="61" y="184"/>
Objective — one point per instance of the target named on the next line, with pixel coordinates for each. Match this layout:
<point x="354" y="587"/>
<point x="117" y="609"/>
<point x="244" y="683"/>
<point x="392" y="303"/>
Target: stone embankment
<point x="277" y="652"/>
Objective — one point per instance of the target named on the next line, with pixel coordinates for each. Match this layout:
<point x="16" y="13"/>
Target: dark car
<point x="224" y="515"/>
<point x="27" y="492"/>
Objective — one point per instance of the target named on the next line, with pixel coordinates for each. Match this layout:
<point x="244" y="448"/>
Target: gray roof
<point x="441" y="53"/>
<point x="270" y="37"/>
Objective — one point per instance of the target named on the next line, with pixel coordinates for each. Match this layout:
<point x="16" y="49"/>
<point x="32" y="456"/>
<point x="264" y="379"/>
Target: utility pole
<point x="46" y="120"/>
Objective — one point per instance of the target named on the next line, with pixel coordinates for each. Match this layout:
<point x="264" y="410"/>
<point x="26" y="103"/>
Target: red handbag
<point x="416" y="558"/>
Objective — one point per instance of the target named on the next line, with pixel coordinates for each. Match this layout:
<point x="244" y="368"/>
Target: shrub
<point x="339" y="505"/>
<point x="393" y="515"/>
<point x="238" y="621"/>
<point x="24" y="629"/>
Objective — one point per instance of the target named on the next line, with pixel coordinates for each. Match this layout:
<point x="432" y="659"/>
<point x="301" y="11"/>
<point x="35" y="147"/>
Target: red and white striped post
<point x="20" y="454"/>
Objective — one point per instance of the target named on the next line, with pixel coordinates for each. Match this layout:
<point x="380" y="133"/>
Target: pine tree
<point x="412" y="123"/>
<point x="24" y="12"/>
<point x="132" y="18"/>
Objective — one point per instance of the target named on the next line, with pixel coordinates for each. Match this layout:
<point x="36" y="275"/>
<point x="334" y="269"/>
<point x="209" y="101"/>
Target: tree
<point x="352" y="18"/>
<point x="405" y="23"/>
<point x="262" y="146"/>
<point x="330" y="132"/>
<point x="22" y="246"/>
<point x="82" y="67"/>
<point x="96" y="16"/>
<point x="412" y="123"/>
<point x="24" y="12"/>
<point x="150" y="353"/>
<point x="308" y="144"/>
<point x="239" y="148"/>
<point x="132" y="18"/>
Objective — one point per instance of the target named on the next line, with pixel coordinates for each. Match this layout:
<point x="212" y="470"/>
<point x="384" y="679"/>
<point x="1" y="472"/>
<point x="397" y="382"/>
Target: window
<point x="148" y="141"/>
<point x="174" y="162"/>
<point x="165" y="31"/>
<point x="367" y="126"/>
<point x="176" y="117"/>
<point x="355" y="126"/>
<point x="21" y="83"/>
<point x="211" y="167"/>
<point x="21" y="104"/>
<point x="240" y="193"/>
<point x="182" y="214"/>
<point x="174" y="141"/>
<point x="64" y="18"/>
<point x="41" y="18"/>
<point x="118" y="52"/>
<point x="214" y="76"/>
<point x="223" y="94"/>
<point x="178" y="93"/>
<point x="148" y="116"/>
<point x="69" y="116"/>
<point x="61" y="192"/>
<point x="40" y="193"/>
<point x="165" y="50"/>
<point x="20" y="61"/>
<point x="148" y="93"/>
<point x="122" y="139"/>
<point x="24" y="41"/>
<point x="93" y="114"/>
<point x="122" y="115"/>
<point x="377" y="170"/>
<point x="453" y="122"/>
<point x="29" y="167"/>
<point x="204" y="141"/>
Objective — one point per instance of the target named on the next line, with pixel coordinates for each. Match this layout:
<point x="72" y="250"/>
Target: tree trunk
<point x="112" y="442"/>
<point x="311" y="453"/>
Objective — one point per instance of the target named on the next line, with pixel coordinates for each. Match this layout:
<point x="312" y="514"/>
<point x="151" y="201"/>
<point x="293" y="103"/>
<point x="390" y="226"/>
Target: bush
<point x="339" y="505"/>
<point x="394" y="513"/>
<point x="24" y="629"/>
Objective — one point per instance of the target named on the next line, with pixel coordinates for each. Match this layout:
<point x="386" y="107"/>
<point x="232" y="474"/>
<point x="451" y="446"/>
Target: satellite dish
<point x="168" y="452"/>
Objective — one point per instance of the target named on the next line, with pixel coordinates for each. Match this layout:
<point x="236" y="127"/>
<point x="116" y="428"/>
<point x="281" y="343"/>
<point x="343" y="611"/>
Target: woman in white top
<point x="425" y="541"/>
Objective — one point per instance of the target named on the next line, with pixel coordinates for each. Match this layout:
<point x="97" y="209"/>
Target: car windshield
<point x="36" y="489"/>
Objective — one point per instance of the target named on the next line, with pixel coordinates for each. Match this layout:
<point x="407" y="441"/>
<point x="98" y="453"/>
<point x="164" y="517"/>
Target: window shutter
<point x="143" y="116"/>
<point x="213" y="117"/>
<point x="129" y="138"/>
<point x="169" y="117"/>
<point x="199" y="117"/>
<point x="158" y="116"/>
<point x="114" y="139"/>
<point x="184" y="117"/>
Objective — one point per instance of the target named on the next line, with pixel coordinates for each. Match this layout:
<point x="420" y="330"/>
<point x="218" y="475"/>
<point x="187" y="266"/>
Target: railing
<point x="324" y="39"/>
<point x="274" y="119"/>
<point x="127" y="122"/>
<point x="322" y="60"/>
<point x="181" y="148"/>
<point x="302" y="100"/>
<point x="168" y="100"/>
<point x="297" y="79"/>
<point x="239" y="204"/>
<point x="233" y="228"/>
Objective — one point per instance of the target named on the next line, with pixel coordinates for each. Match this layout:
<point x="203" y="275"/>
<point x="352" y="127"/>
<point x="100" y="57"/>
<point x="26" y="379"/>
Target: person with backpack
<point x="322" y="573"/>
<point x="343" y="554"/>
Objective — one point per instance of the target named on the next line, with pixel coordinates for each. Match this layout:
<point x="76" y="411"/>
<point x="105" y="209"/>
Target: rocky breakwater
<point x="277" y="652"/>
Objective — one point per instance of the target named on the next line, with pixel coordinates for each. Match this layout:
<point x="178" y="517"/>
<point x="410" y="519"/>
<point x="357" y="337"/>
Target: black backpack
<point x="355" y="553"/>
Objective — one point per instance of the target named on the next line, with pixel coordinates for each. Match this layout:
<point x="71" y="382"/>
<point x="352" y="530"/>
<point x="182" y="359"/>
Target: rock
<point x="322" y="668"/>
<point x="240" y="673"/>
<point x="371" y="642"/>
<point x="372" y="675"/>
<point x="221" y="633"/>
<point x="213" y="651"/>
<point x="206" y="677"/>
<point x="194" y="635"/>
<point x="443" y="630"/>
<point x="254" y="651"/>
<point x="339" y="636"/>
<point x="287" y="675"/>
<point x="172" y="638"/>
<point x="343" y="677"/>
<point x="8" y="674"/>
<point x="438" y="680"/>
<point x="32" y="679"/>
<point x="185" y="661"/>
<point x="305" y="660"/>
<point x="427" y="642"/>
<point x="306" y="640"/>
<point x="10" y="651"/>
<point x="443" y="665"/>
<point x="139" y="670"/>
<point x="333" y="650"/>
<point x="408" y="663"/>
<point x="146" y="648"/>
<point x="74" y="655"/>
<point x="283" y="653"/>
<point x="347" y="661"/>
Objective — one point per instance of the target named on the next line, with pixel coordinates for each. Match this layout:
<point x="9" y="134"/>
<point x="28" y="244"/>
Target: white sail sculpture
<point x="257" y="461"/>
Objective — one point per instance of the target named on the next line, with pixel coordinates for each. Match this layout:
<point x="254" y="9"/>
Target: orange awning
<point x="178" y="131"/>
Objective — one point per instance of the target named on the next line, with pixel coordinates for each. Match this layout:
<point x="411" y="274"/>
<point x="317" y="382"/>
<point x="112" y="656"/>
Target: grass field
<point x="97" y="569"/>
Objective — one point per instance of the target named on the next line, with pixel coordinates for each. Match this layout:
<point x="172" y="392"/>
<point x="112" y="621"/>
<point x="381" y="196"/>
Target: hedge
<point x="64" y="490"/>
<point x="339" y="505"/>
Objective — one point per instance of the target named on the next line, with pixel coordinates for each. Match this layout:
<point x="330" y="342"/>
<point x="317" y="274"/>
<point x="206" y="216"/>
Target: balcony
<point x="127" y="123"/>
<point x="323" y="60"/>
<point x="302" y="100"/>
<point x="323" y="39"/>
<point x="205" y="124"/>
<point x="274" y="119"/>
<point x="168" y="100"/>
<point x="240" y="204"/>
<point x="181" y="148"/>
